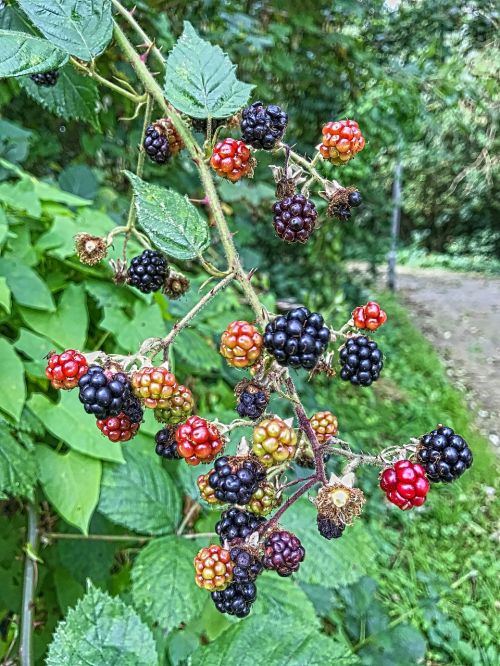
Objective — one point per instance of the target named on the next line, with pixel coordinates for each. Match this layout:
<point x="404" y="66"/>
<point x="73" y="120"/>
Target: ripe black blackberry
<point x="236" y="599"/>
<point x="262" y="127"/>
<point x="46" y="78"/>
<point x="101" y="395"/>
<point x="361" y="361"/>
<point x="237" y="524"/>
<point x="235" y="480"/>
<point x="246" y="565"/>
<point x="166" y="444"/>
<point x="132" y="408"/>
<point x="252" y="404"/>
<point x="329" y="528"/>
<point x="148" y="271"/>
<point x="444" y="455"/>
<point x="294" y="218"/>
<point x="297" y="339"/>
<point x="156" y="145"/>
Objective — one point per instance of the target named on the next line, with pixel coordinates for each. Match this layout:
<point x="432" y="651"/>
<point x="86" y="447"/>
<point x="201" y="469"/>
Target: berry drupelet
<point x="294" y="218"/>
<point x="48" y="79"/>
<point x="297" y="339"/>
<point x="361" y="361"/>
<point x="252" y="403"/>
<point x="235" y="480"/>
<point x="262" y="127"/>
<point x="444" y="455"/>
<point x="235" y="524"/>
<point x="148" y="271"/>
<point x="101" y="395"/>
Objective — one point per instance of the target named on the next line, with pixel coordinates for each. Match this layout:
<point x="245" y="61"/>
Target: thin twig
<point x="104" y="82"/>
<point x="193" y="509"/>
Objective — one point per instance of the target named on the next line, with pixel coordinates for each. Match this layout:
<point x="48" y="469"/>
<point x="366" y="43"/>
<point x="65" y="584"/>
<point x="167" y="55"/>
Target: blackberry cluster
<point x="103" y="396"/>
<point x="237" y="524"/>
<point x="444" y="455"/>
<point x="297" y="339"/>
<point x="235" y="483"/>
<point x="246" y="566"/>
<point x="262" y="127"/>
<point x="133" y="409"/>
<point x="238" y="597"/>
<point x="166" y="444"/>
<point x="251" y="404"/>
<point x="294" y="218"/>
<point x="156" y="145"/>
<point x="361" y="361"/>
<point x="148" y="271"/>
<point x="328" y="528"/>
<point x="283" y="553"/>
<point x="46" y="78"/>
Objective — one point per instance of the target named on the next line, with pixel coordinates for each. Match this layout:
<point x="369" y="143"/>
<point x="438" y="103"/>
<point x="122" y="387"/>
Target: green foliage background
<point x="396" y="589"/>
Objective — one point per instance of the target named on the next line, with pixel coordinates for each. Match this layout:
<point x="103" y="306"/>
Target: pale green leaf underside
<point x="22" y="54"/>
<point x="171" y="221"/>
<point x="201" y="80"/>
<point x="102" y="631"/>
<point x="82" y="28"/>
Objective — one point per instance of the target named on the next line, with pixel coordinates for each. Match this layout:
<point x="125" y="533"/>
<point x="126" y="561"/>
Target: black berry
<point x="251" y="404"/>
<point x="237" y="524"/>
<point x="235" y="482"/>
<point x="297" y="339"/>
<point x="101" y="395"/>
<point x="46" y="78"/>
<point x="294" y="218"/>
<point x="262" y="127"/>
<point x="156" y="145"/>
<point x="132" y="408"/>
<point x="166" y="444"/>
<point x="355" y="199"/>
<point x="329" y="528"/>
<point x="361" y="361"/>
<point x="148" y="271"/>
<point x="246" y="566"/>
<point x="237" y="599"/>
<point x="444" y="455"/>
<point x="283" y="552"/>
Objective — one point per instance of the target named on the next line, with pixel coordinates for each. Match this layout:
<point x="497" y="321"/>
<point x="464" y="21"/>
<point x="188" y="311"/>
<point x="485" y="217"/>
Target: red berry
<point x="118" y="428"/>
<point x="341" y="141"/>
<point x="213" y="568"/>
<point x="232" y="159"/>
<point x="198" y="441"/>
<point x="405" y="484"/>
<point x="241" y="344"/>
<point x="64" y="370"/>
<point x="369" y="316"/>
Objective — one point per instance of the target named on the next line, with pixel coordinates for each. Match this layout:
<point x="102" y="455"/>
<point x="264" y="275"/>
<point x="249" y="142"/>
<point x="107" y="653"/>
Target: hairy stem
<point x="272" y="522"/>
<point x="148" y="43"/>
<point x="29" y="585"/>
<point x="108" y="84"/>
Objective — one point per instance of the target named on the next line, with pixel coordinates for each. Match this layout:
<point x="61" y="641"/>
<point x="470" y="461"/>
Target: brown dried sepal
<point x="340" y="503"/>
<point x="251" y="387"/>
<point x="90" y="249"/>
<point x="120" y="272"/>
<point x="340" y="198"/>
<point x="176" y="285"/>
<point x="287" y="180"/>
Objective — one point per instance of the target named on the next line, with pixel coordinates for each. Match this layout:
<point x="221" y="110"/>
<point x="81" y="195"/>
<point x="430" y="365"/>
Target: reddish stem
<point x="288" y="503"/>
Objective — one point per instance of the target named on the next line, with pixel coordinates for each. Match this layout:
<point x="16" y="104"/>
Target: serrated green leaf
<point x="12" y="386"/>
<point x="82" y="28"/>
<point x="102" y="631"/>
<point x="46" y="192"/>
<point x="26" y="286"/>
<point x="145" y="321"/>
<point x="17" y="466"/>
<point x="295" y="645"/>
<point x="171" y="221"/>
<point x="195" y="351"/>
<point x="68" y="326"/>
<point x="200" y="79"/>
<point x="140" y="495"/>
<point x="282" y="598"/>
<point x="163" y="586"/>
<point x="66" y="420"/>
<point x="71" y="484"/>
<point x="75" y="97"/>
<point x="22" y="54"/>
<point x="345" y="560"/>
<point x="21" y="195"/>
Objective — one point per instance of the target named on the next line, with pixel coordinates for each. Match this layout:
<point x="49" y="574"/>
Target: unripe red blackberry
<point x="148" y="271"/>
<point x="369" y="316"/>
<point x="262" y="127"/>
<point x="118" y="428"/>
<point x="232" y="159"/>
<point x="342" y="140"/>
<point x="198" y="441"/>
<point x="48" y="79"/>
<point x="405" y="484"/>
<point x="241" y="344"/>
<point x="283" y="553"/>
<point x="64" y="370"/>
<point x="294" y="218"/>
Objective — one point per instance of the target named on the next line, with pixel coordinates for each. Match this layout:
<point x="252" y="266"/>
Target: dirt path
<point x="461" y="315"/>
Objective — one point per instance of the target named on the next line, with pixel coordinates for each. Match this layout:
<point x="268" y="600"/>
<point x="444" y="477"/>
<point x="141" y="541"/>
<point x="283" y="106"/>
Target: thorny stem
<point x="288" y="503"/>
<point x="148" y="43"/>
<point x="108" y="84"/>
<point x="308" y="166"/>
<point x="29" y="585"/>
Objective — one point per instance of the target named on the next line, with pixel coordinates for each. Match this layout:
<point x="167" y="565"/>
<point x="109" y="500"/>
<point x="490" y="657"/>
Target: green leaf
<point x="171" y="221"/>
<point x="12" y="386"/>
<point x="103" y="631"/>
<point x="70" y="483"/>
<point x="26" y="286"/>
<point x="130" y="331"/>
<point x="282" y="598"/>
<point x="22" y="54"/>
<point x="17" y="466"/>
<point x="4" y="295"/>
<point x="21" y="196"/>
<point x="344" y="560"/>
<point x="163" y="586"/>
<point x="201" y="80"/>
<point x="68" y="326"/>
<point x="295" y="645"/>
<point x="47" y="192"/>
<point x="140" y="495"/>
<point x="195" y="351"/>
<point x="75" y="97"/>
<point x="66" y="420"/>
<point x="82" y="28"/>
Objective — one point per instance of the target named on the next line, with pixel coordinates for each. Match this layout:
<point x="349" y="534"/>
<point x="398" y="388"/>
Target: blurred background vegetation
<point x="421" y="78"/>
